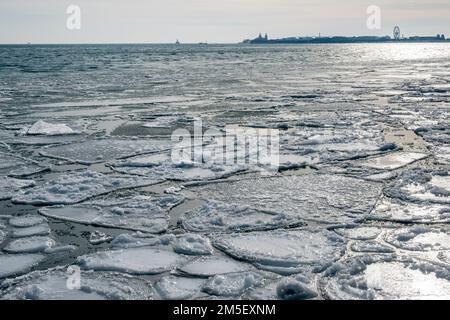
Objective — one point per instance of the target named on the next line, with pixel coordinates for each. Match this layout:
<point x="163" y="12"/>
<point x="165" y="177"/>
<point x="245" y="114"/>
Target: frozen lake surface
<point x="93" y="206"/>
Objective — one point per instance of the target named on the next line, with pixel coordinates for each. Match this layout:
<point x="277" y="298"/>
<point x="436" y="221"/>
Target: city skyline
<point x="193" y="21"/>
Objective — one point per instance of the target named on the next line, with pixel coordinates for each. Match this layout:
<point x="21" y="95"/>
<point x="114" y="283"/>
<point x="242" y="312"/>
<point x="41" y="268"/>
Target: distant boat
<point x="203" y="43"/>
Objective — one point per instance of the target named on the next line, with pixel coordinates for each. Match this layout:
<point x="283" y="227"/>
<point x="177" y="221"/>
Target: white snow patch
<point x="386" y="277"/>
<point x="358" y="232"/>
<point x="192" y="244"/>
<point x="420" y="238"/>
<point x="49" y="129"/>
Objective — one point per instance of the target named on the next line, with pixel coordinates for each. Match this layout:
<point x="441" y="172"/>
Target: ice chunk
<point x="38" y="230"/>
<point x="178" y="288"/>
<point x="284" y="252"/>
<point x="210" y="266"/>
<point x="135" y="260"/>
<point x="192" y="244"/>
<point x="166" y="121"/>
<point x="76" y="187"/>
<point x="216" y="216"/>
<point x="399" y="211"/>
<point x="387" y="277"/>
<point x="15" y="166"/>
<point x="30" y="245"/>
<point x="370" y="247"/>
<point x="420" y="239"/>
<point x="320" y="197"/>
<point x="98" y="237"/>
<point x="15" y="264"/>
<point x="356" y="232"/>
<point x="56" y="284"/>
<point x="233" y="284"/>
<point x="9" y="186"/>
<point x="422" y="185"/>
<point x="393" y="161"/>
<point x="26" y="221"/>
<point x="292" y="289"/>
<point x="95" y="151"/>
<point x="138" y="239"/>
<point x="49" y="129"/>
<point x="181" y="171"/>
<point x="139" y="213"/>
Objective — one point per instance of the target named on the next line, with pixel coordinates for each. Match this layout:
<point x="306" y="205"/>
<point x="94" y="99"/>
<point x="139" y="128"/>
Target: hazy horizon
<point x="193" y="21"/>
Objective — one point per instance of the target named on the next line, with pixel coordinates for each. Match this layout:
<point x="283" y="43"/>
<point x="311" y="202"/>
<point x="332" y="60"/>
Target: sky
<point x="214" y="21"/>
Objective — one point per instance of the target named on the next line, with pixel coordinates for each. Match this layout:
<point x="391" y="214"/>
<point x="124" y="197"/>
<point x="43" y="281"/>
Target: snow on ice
<point x="53" y="285"/>
<point x="386" y="277"/>
<point x="139" y="213"/>
<point x="9" y="186"/>
<point x="214" y="216"/>
<point x="319" y="197"/>
<point x="211" y="266"/>
<point x="76" y="187"/>
<point x="95" y="151"/>
<point x="192" y="244"/>
<point x="284" y="252"/>
<point x="134" y="260"/>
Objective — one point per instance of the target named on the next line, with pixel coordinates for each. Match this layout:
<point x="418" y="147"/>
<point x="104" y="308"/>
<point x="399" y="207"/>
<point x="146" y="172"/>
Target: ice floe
<point x="233" y="284"/>
<point x="27" y="221"/>
<point x="49" y="129"/>
<point x="422" y="185"/>
<point x="356" y="232"/>
<point x="319" y="197"/>
<point x="284" y="252"/>
<point x="211" y="266"/>
<point x="136" y="240"/>
<point x="139" y="213"/>
<point x="392" y="161"/>
<point x="15" y="166"/>
<point x="98" y="237"/>
<point x="143" y="260"/>
<point x="183" y="171"/>
<point x="214" y="216"/>
<point x="59" y="284"/>
<point x="9" y="186"/>
<point x="30" y="245"/>
<point x="400" y="211"/>
<point x="76" y="187"/>
<point x="192" y="244"/>
<point x="15" y="264"/>
<point x="370" y="247"/>
<point x="292" y="289"/>
<point x="178" y="288"/>
<point x="386" y="277"/>
<point x="2" y="236"/>
<point x="38" y="230"/>
<point x="420" y="238"/>
<point x="95" y="151"/>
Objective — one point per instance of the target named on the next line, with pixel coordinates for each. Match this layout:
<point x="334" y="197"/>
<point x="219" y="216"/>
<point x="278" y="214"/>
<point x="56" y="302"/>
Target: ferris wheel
<point x="397" y="33"/>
